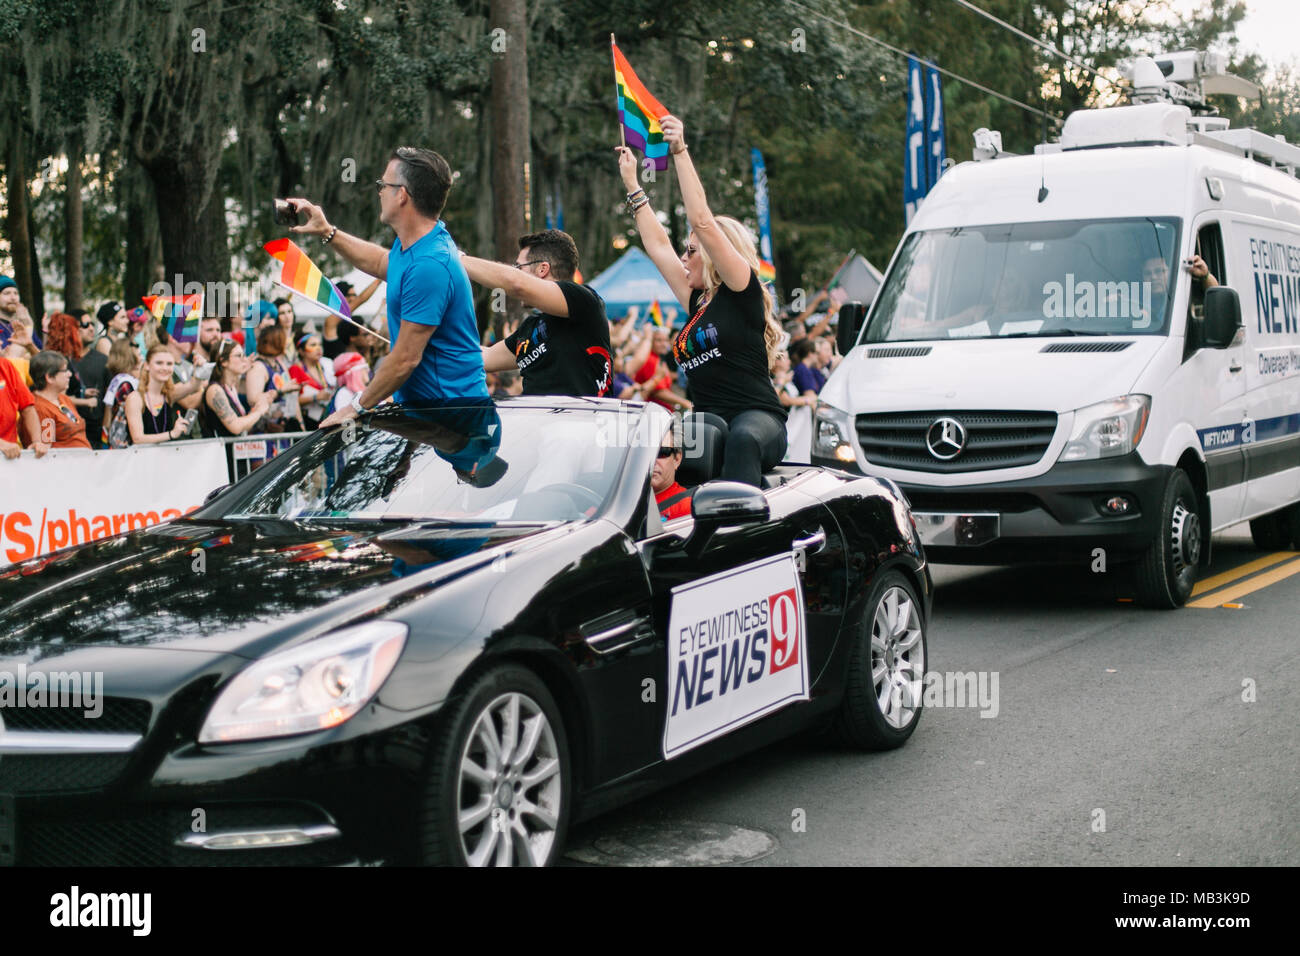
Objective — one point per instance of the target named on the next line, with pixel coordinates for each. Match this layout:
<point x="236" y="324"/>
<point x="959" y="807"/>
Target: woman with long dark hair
<point x="223" y="413"/>
<point x="729" y="343"/>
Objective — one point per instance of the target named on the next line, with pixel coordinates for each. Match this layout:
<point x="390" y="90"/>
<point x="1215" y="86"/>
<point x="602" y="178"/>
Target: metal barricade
<point x="244" y="453"/>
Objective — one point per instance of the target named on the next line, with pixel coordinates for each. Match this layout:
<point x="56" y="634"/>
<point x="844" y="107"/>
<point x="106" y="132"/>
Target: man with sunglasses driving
<point x="435" y="353"/>
<point x="674" y="501"/>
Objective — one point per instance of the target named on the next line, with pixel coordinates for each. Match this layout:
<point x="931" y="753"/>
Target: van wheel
<point x="1166" y="573"/>
<point x="1273" y="532"/>
<point x="1292" y="515"/>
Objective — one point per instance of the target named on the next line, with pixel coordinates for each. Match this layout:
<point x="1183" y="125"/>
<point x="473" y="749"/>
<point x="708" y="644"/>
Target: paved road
<point x="1109" y="716"/>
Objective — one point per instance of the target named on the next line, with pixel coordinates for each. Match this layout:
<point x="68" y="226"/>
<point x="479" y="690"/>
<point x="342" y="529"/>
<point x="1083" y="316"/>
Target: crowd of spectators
<point x="116" y="378"/>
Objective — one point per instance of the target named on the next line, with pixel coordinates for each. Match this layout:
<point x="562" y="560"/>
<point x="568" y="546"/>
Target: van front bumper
<point x="1059" y="516"/>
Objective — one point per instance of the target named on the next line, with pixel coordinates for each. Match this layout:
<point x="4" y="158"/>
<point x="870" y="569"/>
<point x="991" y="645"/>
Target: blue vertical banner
<point x="767" y="265"/>
<point x="936" y="150"/>
<point x="915" y="178"/>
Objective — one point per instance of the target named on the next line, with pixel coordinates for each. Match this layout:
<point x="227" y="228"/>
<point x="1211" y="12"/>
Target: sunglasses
<point x="666" y="451"/>
<point x="86" y="325"/>
<point x="380" y="184"/>
<point x="530" y="262"/>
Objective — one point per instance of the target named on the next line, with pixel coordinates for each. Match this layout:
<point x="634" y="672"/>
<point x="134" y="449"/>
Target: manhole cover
<point x="675" y="844"/>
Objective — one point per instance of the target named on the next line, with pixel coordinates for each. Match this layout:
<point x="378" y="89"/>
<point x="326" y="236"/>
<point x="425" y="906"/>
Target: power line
<point x="1050" y="48"/>
<point x="893" y="49"/>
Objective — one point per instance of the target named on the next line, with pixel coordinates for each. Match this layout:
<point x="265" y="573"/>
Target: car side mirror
<point x="723" y="504"/>
<point x="215" y="492"/>
<point x="1222" y="317"/>
<point x="852" y="315"/>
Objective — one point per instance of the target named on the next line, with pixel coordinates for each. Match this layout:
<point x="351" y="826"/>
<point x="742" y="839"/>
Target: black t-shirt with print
<point x="565" y="355"/>
<point x="724" y="355"/>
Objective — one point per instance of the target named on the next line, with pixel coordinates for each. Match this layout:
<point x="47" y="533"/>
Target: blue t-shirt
<point x="427" y="284"/>
<point x="808" y="379"/>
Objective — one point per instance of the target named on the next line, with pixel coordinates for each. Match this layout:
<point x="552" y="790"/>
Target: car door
<point x="719" y="649"/>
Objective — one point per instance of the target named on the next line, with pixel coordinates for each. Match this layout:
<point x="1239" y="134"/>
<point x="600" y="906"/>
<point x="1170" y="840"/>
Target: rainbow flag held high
<point x="766" y="272"/>
<point x="656" y="314"/>
<point x="178" y="314"/>
<point x="639" y="112"/>
<point x="299" y="274"/>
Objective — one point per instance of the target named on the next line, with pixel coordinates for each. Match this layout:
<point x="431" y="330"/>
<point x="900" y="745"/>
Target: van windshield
<point x="1084" y="277"/>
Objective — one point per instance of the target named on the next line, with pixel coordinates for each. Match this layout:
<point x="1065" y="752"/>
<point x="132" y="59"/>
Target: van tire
<point x="1272" y="532"/>
<point x="1165" y="575"/>
<point x="1292" y="520"/>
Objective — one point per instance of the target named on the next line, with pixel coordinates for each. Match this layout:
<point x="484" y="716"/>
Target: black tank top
<point x="159" y="424"/>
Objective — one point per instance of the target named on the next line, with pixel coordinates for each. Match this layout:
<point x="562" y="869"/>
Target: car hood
<point x="220" y="587"/>
<point x="989" y="373"/>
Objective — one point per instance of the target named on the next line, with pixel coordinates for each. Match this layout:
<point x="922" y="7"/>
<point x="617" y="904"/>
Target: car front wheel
<point x="1165" y="575"/>
<point x="882" y="695"/>
<point x="498" y="790"/>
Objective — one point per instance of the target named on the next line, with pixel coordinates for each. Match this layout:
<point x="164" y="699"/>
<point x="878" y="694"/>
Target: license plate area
<point x="957" y="530"/>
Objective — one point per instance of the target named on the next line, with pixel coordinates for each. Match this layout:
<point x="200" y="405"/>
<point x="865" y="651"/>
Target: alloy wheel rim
<point x="510" y="787"/>
<point x="897" y="657"/>
<point x="1185" y="536"/>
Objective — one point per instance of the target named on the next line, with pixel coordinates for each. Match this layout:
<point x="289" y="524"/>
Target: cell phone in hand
<point x="190" y="416"/>
<point x="286" y="214"/>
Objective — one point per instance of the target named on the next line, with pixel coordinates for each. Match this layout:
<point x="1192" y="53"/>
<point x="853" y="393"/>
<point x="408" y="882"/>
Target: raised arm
<point x="653" y="235"/>
<point x="543" y="294"/>
<point x="731" y="265"/>
<point x="369" y="257"/>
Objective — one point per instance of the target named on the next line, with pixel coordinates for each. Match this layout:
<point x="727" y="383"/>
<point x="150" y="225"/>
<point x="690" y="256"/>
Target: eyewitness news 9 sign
<point x="737" y="651"/>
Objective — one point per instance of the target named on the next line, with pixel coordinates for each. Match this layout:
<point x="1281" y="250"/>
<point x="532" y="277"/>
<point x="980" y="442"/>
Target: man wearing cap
<point x="435" y="348"/>
<point x="12" y="314"/>
<point x="562" y="348"/>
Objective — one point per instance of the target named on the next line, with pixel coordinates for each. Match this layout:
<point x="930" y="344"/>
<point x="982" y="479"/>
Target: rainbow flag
<point x="656" y="314"/>
<point x="299" y="274"/>
<point x="639" y="112"/>
<point x="766" y="272"/>
<point x="178" y="314"/>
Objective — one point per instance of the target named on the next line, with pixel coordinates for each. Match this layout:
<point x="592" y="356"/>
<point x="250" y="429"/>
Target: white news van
<point x="1043" y="376"/>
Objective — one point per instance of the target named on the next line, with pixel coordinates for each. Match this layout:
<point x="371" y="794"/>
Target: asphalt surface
<point x="1121" y="737"/>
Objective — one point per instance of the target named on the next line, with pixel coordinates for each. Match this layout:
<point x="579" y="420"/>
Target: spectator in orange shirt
<point x="16" y="403"/>
<point x="60" y="425"/>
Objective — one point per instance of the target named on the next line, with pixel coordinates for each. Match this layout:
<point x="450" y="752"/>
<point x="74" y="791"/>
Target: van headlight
<point x="1108" y="429"/>
<point x="314" y="686"/>
<point x="831" y="434"/>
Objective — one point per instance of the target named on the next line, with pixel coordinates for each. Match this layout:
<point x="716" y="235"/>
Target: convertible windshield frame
<point x="411" y="469"/>
<point x="1094" y="277"/>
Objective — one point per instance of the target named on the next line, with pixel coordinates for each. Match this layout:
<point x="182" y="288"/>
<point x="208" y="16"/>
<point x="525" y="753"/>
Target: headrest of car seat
<point x="704" y="438"/>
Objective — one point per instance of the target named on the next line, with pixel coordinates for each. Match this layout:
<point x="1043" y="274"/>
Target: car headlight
<point x="313" y="686"/>
<point x="831" y="433"/>
<point x="1108" y="428"/>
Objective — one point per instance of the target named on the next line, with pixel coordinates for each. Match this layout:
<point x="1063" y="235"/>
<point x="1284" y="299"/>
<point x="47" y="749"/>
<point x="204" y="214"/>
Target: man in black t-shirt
<point x="562" y="348"/>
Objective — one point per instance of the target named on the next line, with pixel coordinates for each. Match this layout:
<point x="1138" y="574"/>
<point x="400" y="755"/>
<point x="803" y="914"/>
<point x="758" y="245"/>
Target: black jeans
<point x="755" y="442"/>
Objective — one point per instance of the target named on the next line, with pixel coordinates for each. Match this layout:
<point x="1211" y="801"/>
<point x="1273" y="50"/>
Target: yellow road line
<point x="1227" y="577"/>
<point x="1246" y="587"/>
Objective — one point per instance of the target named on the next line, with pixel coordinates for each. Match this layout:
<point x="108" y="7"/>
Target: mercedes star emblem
<point x="945" y="438"/>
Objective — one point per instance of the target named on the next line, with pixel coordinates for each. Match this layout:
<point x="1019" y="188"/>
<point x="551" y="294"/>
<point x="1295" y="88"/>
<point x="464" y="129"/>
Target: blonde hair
<point x="742" y="240"/>
<point x="144" y="374"/>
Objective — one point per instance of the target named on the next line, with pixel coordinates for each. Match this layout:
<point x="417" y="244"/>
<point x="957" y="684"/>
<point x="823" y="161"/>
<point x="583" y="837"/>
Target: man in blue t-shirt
<point x="435" y="353"/>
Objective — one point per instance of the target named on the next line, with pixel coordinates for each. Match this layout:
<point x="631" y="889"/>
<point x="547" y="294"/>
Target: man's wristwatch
<point x="357" y="406"/>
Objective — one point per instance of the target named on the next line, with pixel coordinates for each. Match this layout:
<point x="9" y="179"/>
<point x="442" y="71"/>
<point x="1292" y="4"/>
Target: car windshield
<point x="1084" y="277"/>
<point x="465" y="463"/>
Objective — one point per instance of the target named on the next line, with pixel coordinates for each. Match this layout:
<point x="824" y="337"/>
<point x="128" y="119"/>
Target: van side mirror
<point x="852" y="315"/>
<point x="1222" y="317"/>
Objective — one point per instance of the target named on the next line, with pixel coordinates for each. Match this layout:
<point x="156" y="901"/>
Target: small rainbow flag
<point x="766" y="272"/>
<point x="639" y="112"/>
<point x="656" y="314"/>
<point x="178" y="314"/>
<point x="299" y="274"/>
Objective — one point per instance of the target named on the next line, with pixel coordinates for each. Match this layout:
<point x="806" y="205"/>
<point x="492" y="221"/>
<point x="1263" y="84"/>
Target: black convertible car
<point x="442" y="634"/>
